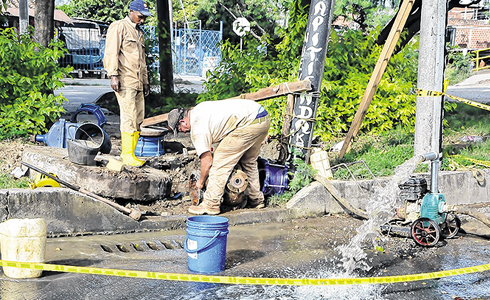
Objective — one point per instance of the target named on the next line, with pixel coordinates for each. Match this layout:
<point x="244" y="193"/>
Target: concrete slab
<point x="66" y="212"/>
<point x="145" y="184"/>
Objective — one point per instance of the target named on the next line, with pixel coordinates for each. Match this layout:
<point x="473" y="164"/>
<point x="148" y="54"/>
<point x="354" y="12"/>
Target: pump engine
<point x="425" y="209"/>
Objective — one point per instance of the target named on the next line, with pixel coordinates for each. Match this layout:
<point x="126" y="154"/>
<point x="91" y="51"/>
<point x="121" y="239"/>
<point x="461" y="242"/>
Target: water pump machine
<point x="425" y="210"/>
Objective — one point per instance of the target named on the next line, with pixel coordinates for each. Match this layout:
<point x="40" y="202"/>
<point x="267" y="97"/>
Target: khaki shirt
<point x="125" y="54"/>
<point x="211" y="121"/>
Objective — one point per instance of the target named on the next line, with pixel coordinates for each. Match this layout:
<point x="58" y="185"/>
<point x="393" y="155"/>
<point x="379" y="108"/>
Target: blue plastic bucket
<point x="149" y="146"/>
<point x="205" y="243"/>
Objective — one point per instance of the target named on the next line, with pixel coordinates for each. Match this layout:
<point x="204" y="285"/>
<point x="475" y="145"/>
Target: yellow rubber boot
<point x="136" y="136"/>
<point x="128" y="143"/>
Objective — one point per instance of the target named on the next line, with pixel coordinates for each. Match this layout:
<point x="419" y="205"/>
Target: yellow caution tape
<point x="469" y="102"/>
<point x="244" y="280"/>
<point x="483" y="163"/>
<point x="426" y="93"/>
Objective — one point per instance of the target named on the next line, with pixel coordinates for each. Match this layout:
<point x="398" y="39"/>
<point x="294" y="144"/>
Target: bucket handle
<point x="209" y="243"/>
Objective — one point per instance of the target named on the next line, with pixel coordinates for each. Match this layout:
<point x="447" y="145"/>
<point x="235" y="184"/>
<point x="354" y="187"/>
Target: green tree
<point x="101" y="10"/>
<point x="265" y="17"/>
<point x="185" y="11"/>
<point x="350" y="61"/>
<point x="29" y="73"/>
<point x="367" y="14"/>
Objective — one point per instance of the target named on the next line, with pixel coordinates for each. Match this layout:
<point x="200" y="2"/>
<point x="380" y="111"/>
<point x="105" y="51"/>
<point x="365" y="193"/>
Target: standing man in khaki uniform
<point x="124" y="61"/>
<point x="240" y="126"/>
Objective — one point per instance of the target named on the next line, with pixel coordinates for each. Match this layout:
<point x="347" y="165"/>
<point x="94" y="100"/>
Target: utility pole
<point x="44" y="22"/>
<point x="311" y="67"/>
<point x="23" y="16"/>
<point x="429" y="111"/>
<point x="164" y="32"/>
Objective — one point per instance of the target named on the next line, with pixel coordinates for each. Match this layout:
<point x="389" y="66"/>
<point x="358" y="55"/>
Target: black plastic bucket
<point x="93" y="133"/>
<point x="82" y="152"/>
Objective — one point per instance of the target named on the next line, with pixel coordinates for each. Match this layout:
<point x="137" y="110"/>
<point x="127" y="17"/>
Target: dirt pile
<point x="10" y="155"/>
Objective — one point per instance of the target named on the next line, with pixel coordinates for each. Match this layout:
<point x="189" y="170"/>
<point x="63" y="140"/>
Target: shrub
<point x="459" y="66"/>
<point x="350" y="61"/>
<point x="29" y="74"/>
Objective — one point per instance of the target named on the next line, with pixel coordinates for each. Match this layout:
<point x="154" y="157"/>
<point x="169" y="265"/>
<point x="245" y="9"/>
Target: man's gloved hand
<point x="146" y="89"/>
<point x="115" y="83"/>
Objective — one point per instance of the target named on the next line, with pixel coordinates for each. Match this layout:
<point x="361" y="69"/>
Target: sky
<point x="61" y="2"/>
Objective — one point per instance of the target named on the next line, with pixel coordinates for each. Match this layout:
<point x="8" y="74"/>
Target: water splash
<point x="380" y="210"/>
<point x="310" y="292"/>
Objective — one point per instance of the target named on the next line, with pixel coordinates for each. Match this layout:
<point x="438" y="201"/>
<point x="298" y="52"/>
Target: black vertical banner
<point x="311" y="68"/>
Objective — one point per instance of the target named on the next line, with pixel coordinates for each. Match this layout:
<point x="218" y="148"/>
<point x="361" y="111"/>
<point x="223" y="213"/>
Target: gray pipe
<point x="434" y="170"/>
<point x="429" y="156"/>
<point x="434" y="158"/>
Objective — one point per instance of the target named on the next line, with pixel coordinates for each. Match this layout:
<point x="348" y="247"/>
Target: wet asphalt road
<point x="303" y="248"/>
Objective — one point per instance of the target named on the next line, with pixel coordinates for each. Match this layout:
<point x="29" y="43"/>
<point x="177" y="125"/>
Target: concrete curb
<point x="71" y="213"/>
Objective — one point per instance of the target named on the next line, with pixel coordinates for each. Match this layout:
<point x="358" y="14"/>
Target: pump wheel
<point x="426" y="232"/>
<point x="451" y="226"/>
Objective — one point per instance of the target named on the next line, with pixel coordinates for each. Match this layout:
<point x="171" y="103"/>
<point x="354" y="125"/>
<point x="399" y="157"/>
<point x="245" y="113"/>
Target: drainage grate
<point x="137" y="247"/>
<point x="152" y="246"/>
<point x="122" y="248"/>
<point x="143" y="246"/>
<point x="106" y="248"/>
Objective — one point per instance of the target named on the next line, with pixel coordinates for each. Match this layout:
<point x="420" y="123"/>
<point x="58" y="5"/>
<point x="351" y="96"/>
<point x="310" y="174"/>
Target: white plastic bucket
<point x="319" y="161"/>
<point x="23" y="240"/>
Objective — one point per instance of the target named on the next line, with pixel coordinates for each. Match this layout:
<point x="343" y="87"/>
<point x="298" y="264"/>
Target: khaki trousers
<point x="132" y="109"/>
<point x="242" y="145"/>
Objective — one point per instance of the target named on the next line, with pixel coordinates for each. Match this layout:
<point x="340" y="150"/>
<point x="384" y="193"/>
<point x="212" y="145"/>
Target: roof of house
<point x="59" y="15"/>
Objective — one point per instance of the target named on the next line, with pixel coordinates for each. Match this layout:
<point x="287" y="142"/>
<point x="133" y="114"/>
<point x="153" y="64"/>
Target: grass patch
<point x="8" y="182"/>
<point x="465" y="145"/>
<point x="381" y="154"/>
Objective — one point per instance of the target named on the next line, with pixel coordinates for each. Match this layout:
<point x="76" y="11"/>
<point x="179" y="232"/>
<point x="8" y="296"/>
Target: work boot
<point x="201" y="210"/>
<point x="128" y="144"/>
<point x="256" y="204"/>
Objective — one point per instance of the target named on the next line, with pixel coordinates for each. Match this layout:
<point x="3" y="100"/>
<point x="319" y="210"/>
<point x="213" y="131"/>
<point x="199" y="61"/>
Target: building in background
<point x="469" y="28"/>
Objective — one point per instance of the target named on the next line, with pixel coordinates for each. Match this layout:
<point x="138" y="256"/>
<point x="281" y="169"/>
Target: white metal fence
<point x="194" y="51"/>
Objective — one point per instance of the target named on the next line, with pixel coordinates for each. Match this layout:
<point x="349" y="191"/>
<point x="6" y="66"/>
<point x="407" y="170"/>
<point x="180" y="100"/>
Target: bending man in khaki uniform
<point x="240" y="126"/>
<point x="124" y="61"/>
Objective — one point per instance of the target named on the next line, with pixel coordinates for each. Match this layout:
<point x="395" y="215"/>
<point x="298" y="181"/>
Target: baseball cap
<point x="174" y="116"/>
<point x="140" y="6"/>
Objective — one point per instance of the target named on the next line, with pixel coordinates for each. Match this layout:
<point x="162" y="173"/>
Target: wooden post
<point x="282" y="89"/>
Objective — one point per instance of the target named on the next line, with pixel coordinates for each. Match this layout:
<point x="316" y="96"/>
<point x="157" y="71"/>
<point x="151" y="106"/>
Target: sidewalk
<point x="479" y="78"/>
<point x="475" y="88"/>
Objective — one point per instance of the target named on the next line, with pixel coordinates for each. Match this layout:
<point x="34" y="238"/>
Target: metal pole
<point x="311" y="67"/>
<point x="429" y="111"/>
<point x="23" y="16"/>
<point x="164" y="31"/>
